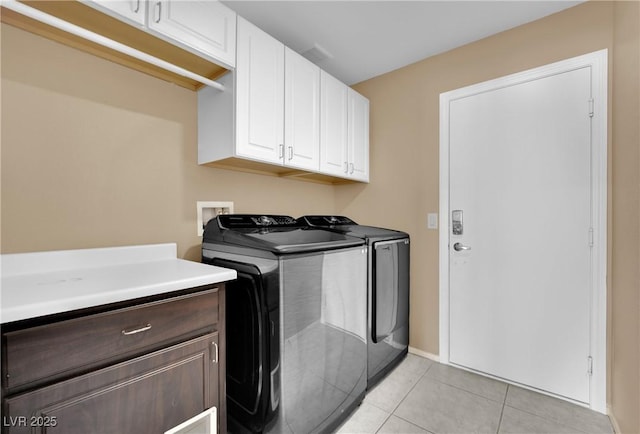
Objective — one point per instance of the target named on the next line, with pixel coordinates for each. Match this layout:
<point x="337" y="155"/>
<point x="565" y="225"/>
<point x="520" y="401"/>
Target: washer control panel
<point x="234" y="221"/>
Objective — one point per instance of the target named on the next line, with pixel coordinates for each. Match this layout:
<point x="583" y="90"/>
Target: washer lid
<point x="274" y="233"/>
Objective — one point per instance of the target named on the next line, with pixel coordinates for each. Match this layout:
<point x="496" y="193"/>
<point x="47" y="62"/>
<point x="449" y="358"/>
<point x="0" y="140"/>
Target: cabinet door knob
<point x="144" y="328"/>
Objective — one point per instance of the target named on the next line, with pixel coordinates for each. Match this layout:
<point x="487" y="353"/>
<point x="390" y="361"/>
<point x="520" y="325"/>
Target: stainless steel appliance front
<point x="296" y="323"/>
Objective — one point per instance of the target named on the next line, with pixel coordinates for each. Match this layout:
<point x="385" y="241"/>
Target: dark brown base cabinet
<point x="133" y="368"/>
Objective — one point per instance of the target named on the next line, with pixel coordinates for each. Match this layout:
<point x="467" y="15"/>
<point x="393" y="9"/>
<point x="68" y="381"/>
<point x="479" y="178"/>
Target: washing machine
<point x="296" y="322"/>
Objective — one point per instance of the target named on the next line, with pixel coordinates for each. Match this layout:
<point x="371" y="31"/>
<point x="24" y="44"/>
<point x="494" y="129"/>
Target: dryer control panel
<point x="326" y="220"/>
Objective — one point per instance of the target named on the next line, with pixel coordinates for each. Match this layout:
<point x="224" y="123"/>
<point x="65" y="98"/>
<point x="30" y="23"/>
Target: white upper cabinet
<point x="358" y="137"/>
<point x="344" y="133"/>
<point x="277" y="103"/>
<point x="133" y="11"/>
<point x="206" y="26"/>
<point x="280" y="113"/>
<point x="302" y="112"/>
<point x="259" y="95"/>
<point x="333" y="126"/>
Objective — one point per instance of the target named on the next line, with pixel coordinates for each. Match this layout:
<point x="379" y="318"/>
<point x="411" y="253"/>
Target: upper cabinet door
<point x="133" y="11"/>
<point x="259" y="95"/>
<point x="358" y="136"/>
<point x="206" y="26"/>
<point x="302" y="112"/>
<point x="333" y="125"/>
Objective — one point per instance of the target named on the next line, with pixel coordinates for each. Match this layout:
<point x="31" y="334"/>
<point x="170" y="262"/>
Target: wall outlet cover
<point x="207" y="210"/>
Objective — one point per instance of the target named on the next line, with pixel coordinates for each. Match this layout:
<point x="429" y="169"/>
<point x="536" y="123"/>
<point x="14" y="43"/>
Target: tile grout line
<point x="504" y="403"/>
<point x="383" y="422"/>
<point x="392" y="413"/>
<point x="548" y="419"/>
<point x="414" y="424"/>
<point x="468" y="391"/>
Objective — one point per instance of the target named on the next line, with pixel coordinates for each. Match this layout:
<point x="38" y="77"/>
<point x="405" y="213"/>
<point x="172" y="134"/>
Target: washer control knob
<point x="264" y="220"/>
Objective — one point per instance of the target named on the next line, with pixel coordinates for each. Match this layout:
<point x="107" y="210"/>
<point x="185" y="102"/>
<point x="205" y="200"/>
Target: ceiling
<point x="363" y="39"/>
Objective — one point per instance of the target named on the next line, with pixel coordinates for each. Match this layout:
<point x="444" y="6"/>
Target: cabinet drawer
<point x="64" y="348"/>
<point x="147" y="394"/>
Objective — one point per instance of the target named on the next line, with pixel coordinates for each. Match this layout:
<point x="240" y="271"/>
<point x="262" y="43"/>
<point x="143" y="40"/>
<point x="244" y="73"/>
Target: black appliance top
<point x="344" y="225"/>
<point x="279" y="234"/>
<point x="325" y="221"/>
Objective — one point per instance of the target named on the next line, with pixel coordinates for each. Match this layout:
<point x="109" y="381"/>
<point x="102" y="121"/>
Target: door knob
<point x="458" y="247"/>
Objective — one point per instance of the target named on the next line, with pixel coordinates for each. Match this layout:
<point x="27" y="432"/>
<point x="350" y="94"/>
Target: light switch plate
<point x="432" y="221"/>
<point x="208" y="210"/>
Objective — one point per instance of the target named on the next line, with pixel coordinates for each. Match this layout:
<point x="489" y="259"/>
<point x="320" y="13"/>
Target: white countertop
<point x="44" y="283"/>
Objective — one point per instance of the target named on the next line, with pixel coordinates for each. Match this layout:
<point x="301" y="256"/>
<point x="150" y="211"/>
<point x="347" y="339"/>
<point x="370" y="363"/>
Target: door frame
<point x="598" y="61"/>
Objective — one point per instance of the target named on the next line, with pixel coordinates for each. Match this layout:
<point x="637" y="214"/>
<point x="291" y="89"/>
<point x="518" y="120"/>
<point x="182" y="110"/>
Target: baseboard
<point x="612" y="418"/>
<point x="424" y="354"/>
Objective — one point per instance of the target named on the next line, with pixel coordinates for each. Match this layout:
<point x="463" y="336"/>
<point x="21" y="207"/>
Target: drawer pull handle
<point x="215" y="352"/>
<point x="159" y="9"/>
<point x="136" y="330"/>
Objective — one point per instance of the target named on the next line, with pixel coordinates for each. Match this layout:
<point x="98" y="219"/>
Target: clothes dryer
<point x="388" y="290"/>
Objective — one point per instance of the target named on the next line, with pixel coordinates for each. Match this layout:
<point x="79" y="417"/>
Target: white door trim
<point x="598" y="62"/>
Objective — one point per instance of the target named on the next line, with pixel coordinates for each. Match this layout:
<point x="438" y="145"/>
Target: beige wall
<point x="94" y="154"/>
<point x="97" y="155"/>
<point x="625" y="239"/>
<point x="404" y="152"/>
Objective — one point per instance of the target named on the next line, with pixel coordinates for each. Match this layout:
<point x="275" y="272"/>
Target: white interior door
<point x="520" y="173"/>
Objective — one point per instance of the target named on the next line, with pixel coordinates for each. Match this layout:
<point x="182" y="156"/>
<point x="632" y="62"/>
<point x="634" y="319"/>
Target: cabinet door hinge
<point x="590" y="365"/>
<point x="590" y="237"/>
<point x="591" y="104"/>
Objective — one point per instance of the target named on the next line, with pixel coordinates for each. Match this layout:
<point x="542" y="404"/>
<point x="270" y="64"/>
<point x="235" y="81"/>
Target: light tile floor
<point x="422" y="396"/>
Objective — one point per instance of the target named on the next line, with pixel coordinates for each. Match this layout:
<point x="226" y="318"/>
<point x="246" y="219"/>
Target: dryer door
<point x="389" y="287"/>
